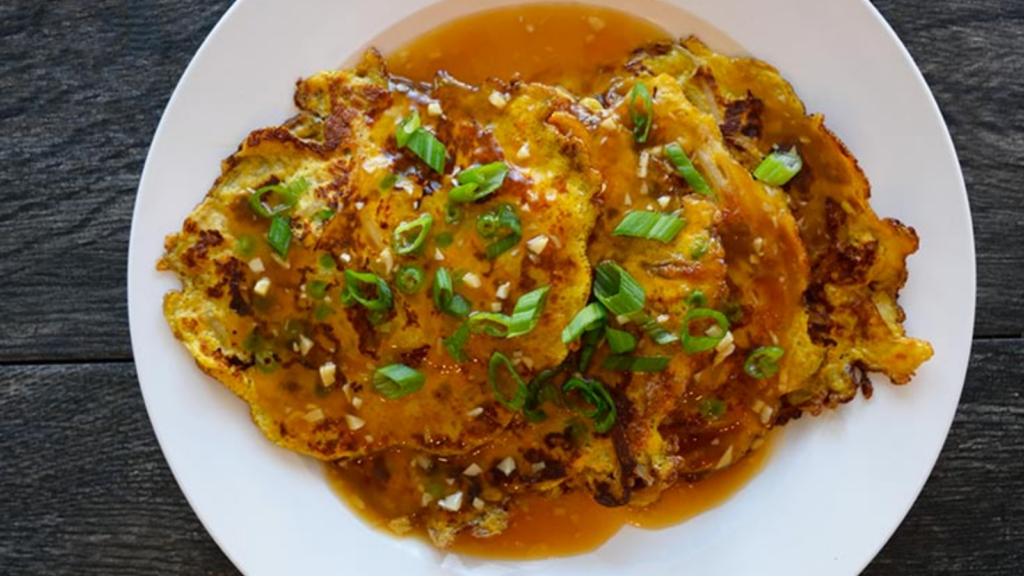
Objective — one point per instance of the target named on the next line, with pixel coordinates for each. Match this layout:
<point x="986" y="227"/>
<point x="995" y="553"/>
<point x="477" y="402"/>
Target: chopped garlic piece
<point x="663" y="201"/>
<point x="434" y="109"/>
<point x="725" y="460"/>
<point x="537" y="244"/>
<point x="262" y="286"/>
<point x="438" y="255"/>
<point x="305" y="344"/>
<point x="327" y="373"/>
<point x="475" y="412"/>
<point x="452" y="502"/>
<point x="256" y="265"/>
<point x="538" y="466"/>
<point x="507" y="466"/>
<point x="354" y="422"/>
<point x="313" y="416"/>
<point x="503" y="290"/>
<point x="662" y="318"/>
<point x="472" y="470"/>
<point x="387" y="259"/>
<point x="495" y="306"/>
<point x="497" y="99"/>
<point x="478" y="504"/>
<point x="641" y="169"/>
<point x="472" y="280"/>
<point x="357" y="402"/>
<point x="524" y="151"/>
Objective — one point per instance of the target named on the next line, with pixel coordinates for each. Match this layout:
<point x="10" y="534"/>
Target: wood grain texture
<point x="86" y="490"/>
<point x="83" y="85"/>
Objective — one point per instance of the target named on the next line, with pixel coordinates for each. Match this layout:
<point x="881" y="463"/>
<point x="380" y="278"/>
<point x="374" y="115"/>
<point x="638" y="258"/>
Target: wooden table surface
<point x="84" y="488"/>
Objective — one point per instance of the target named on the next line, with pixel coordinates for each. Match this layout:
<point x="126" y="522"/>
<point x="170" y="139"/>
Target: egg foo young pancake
<point x="473" y="298"/>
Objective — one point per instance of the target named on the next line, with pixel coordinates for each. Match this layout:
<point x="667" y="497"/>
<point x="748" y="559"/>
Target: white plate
<point x="836" y="487"/>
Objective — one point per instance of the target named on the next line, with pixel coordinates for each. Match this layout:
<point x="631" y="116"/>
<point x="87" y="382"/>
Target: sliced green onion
<point x="353" y="291"/>
<point x="517" y="398"/>
<point x="510" y="231"/>
<point x="459" y="306"/>
<point x="656" y="331"/>
<point x="696" y="299"/>
<point x="252" y="341"/>
<point x="280" y="234"/>
<point x="452" y="213"/>
<point x="627" y="363"/>
<point x="686" y="169"/>
<point x="289" y="195"/>
<point x="388" y="182"/>
<point x="620" y="341"/>
<point x="445" y="298"/>
<point x="410" y="236"/>
<point x="527" y="311"/>
<point x="463" y="193"/>
<point x="699" y="247"/>
<point x="397" y="380"/>
<point x="317" y="289"/>
<point x="454" y="343"/>
<point x="596" y="395"/>
<point x="409" y="279"/>
<point x="490" y="323"/>
<point x="265" y="361"/>
<point x="733" y="311"/>
<point x="245" y="245"/>
<point x="642" y="119"/>
<point x="591" y="341"/>
<point x="478" y="182"/>
<point x="540" y="390"/>
<point x="487" y="225"/>
<point x="322" y="311"/>
<point x="650" y="225"/>
<point x="590" y="317"/>
<point x="763" y="362"/>
<point x="327" y="262"/>
<point x="429" y="149"/>
<point x="620" y="293"/>
<point x="694" y="344"/>
<point x="444" y="239"/>
<point x="779" y="167"/>
<point x="406" y="128"/>
<point x="324" y="215"/>
<point x="712" y="408"/>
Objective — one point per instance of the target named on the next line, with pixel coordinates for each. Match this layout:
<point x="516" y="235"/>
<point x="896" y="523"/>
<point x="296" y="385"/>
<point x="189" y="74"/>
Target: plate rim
<point x="225" y="20"/>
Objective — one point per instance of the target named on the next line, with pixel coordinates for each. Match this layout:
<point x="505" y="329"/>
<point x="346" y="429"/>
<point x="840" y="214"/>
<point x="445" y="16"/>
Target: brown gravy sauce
<point x="556" y="44"/>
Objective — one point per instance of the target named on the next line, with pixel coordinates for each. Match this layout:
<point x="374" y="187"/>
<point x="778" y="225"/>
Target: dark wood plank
<point x="83" y="87"/>
<point x="970" y="54"/>
<point x="86" y="490"/>
<point x="84" y="83"/>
